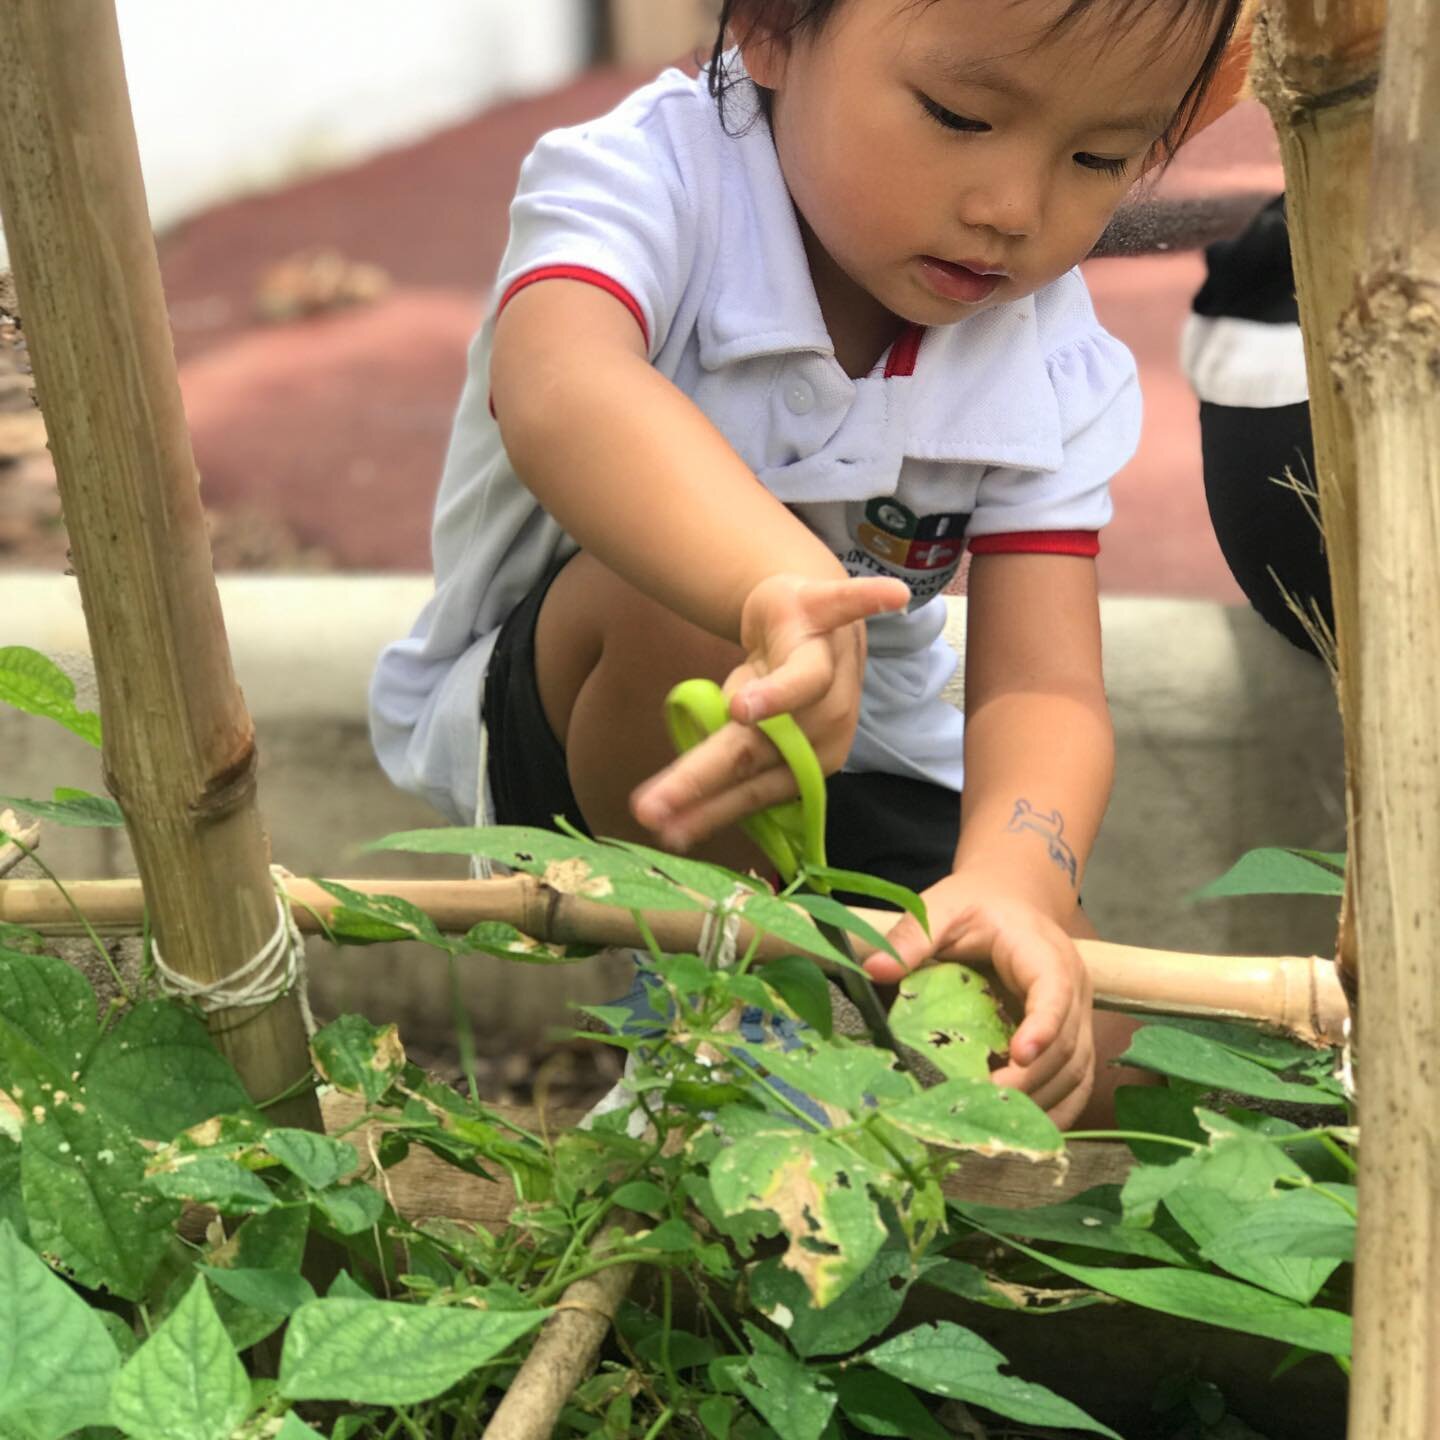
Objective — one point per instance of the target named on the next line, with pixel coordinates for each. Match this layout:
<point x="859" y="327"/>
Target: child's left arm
<point x="1039" y="757"/>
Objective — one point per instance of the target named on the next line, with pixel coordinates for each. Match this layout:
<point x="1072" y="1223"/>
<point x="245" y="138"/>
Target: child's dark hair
<point x="740" y="18"/>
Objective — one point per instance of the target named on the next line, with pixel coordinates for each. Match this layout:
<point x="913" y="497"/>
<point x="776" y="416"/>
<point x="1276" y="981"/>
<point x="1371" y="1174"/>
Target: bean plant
<point x="174" y="1265"/>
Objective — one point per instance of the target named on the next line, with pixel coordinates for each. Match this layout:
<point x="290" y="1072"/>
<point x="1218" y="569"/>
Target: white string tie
<point x="720" y="930"/>
<point x="276" y="968"/>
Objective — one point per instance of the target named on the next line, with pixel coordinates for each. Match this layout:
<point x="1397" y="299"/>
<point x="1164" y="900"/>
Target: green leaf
<point x="294" y="1428"/>
<point x="802" y="985"/>
<point x="969" y="1282"/>
<point x="272" y="1292"/>
<point x="20" y="937"/>
<point x="976" y="1115"/>
<point x="783" y="1391"/>
<point x="858" y="883"/>
<point x="1279" y="872"/>
<point x="1297" y="1223"/>
<point x="358" y="1057"/>
<point x="12" y="1202"/>
<point x="1204" y="1062"/>
<point x="821" y="1194"/>
<point x="849" y="1076"/>
<point x="947" y="1359"/>
<point x="1274" y="1052"/>
<point x="376" y="1352"/>
<point x="948" y="1015"/>
<point x="841" y="917"/>
<point x="505" y="942"/>
<point x="714" y="882"/>
<point x="870" y="1304"/>
<point x="89" y="1206"/>
<point x="158" y="1072"/>
<point x="185" y="1382"/>
<point x="47" y="1024"/>
<point x="351" y="1208"/>
<point x="271" y="1243"/>
<point x="214" y="1180"/>
<point x="1094" y="1220"/>
<point x="879" y="1405"/>
<point x="317" y="1160"/>
<point x="782" y="920"/>
<point x="604" y="873"/>
<point x="381" y="917"/>
<point x="34" y="683"/>
<point x="642" y="1196"/>
<point x="57" y="1360"/>
<point x="1212" y="1299"/>
<point x="75" y="808"/>
<point x="716" y="1414"/>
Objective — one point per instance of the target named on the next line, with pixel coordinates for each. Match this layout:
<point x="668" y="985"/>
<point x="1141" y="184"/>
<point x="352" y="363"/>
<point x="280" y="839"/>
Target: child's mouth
<point x="966" y="283"/>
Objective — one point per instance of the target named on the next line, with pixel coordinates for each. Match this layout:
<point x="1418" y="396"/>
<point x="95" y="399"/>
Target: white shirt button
<point x="799" y="397"/>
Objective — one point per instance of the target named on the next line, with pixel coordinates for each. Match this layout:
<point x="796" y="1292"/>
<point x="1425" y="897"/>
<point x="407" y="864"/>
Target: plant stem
<point x="1138" y="1135"/>
<point x="464" y="1031"/>
<point x="667" y="1312"/>
<point x="31" y="854"/>
<point x="661" y="1421"/>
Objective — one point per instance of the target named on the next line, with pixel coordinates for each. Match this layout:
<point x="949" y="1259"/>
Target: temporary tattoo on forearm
<point x="1052" y="828"/>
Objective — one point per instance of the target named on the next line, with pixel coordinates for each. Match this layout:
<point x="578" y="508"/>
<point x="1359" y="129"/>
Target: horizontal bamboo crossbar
<point x="1297" y="995"/>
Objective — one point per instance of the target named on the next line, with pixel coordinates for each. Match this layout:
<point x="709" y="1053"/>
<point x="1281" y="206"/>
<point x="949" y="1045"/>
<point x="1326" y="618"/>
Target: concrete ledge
<point x="1227" y="739"/>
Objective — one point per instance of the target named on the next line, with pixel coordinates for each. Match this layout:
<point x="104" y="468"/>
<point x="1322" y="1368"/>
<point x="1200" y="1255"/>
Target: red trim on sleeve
<point x="585" y="275"/>
<point x="1038" y="542"/>
<point x="904" y="352"/>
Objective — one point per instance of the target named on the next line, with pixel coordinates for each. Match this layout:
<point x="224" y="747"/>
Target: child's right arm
<point x="636" y="473"/>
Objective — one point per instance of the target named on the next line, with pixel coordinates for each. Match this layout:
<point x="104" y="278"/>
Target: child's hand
<point x="1052" y="1053"/>
<point x="805" y="652"/>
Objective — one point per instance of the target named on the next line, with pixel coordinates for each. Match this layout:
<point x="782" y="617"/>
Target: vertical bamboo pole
<point x="1316" y="68"/>
<point x="179" y="746"/>
<point x="1389" y="362"/>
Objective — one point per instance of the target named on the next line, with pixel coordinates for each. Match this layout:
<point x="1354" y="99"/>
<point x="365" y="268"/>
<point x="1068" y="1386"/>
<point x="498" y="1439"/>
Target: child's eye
<point x="948" y="118"/>
<point x="1105" y="164"/>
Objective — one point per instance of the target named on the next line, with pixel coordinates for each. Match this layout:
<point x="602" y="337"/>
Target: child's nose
<point x="1008" y="199"/>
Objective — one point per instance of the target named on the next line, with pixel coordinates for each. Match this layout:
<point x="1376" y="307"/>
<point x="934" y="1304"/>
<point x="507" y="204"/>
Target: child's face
<point x="926" y="142"/>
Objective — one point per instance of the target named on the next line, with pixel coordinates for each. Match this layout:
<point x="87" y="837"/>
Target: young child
<point x="770" y="348"/>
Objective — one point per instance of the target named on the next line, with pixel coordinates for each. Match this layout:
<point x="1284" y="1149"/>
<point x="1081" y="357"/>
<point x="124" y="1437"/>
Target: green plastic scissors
<point x="791" y="834"/>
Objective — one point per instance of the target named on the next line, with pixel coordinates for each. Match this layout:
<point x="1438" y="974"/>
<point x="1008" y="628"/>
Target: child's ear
<point x="765" y="53"/>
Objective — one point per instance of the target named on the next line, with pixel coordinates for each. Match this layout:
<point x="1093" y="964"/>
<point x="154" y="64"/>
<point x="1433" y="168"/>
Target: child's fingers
<point x="910" y="942"/>
<point x="733" y="773"/>
<point x="831" y="604"/>
<point x="797" y="682"/>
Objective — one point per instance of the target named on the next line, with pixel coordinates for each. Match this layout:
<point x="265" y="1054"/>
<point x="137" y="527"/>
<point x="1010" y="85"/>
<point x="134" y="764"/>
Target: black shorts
<point x="891" y="826"/>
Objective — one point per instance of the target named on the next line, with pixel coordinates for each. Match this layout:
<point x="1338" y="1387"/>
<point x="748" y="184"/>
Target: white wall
<point x="231" y="96"/>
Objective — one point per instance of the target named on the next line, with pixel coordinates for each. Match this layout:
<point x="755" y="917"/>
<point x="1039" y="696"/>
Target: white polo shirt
<point x="1001" y="431"/>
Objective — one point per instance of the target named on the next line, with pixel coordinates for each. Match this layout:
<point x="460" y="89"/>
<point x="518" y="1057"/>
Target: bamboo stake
<point x="1297" y="995"/>
<point x="179" y="746"/>
<point x="1316" y="68"/>
<point x="1389" y="361"/>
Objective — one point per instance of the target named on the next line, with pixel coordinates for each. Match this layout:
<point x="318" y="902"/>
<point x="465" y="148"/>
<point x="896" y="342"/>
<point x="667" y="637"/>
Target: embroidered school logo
<point x="923" y="550"/>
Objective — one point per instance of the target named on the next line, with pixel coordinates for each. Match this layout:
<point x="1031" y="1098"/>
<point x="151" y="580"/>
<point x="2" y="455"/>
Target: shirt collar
<point x="980" y="392"/>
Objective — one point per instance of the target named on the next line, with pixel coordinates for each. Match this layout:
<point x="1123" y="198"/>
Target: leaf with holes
<point x="820" y="1192"/>
<point x="86" y="1196"/>
<point x="380" y="917"/>
<point x="47" y="1024"/>
<point x="358" y="1057"/>
<point x="976" y="1115"/>
<point x="786" y="1395"/>
<point x="34" y="683"/>
<point x="604" y="873"/>
<point x="948" y="1015"/>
